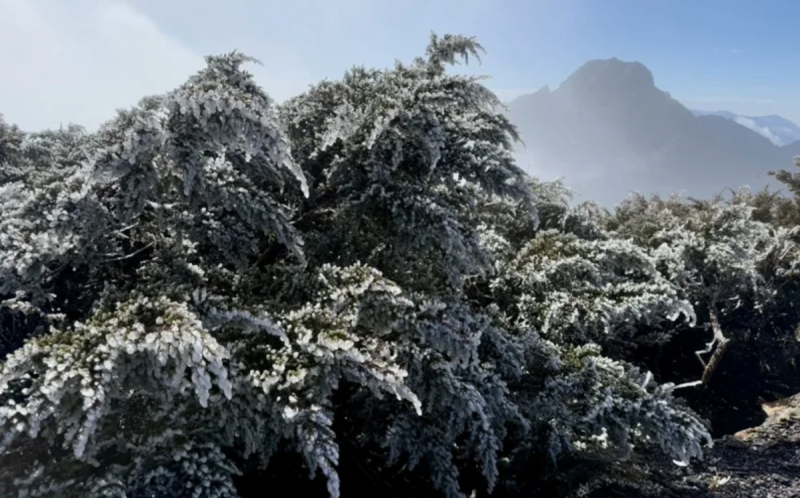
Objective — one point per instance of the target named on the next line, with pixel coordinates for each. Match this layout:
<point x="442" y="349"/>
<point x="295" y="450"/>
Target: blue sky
<point x="78" y="60"/>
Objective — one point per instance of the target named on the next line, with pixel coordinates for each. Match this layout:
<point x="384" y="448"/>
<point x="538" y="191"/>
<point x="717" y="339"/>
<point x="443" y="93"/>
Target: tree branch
<point x="138" y="251"/>
<point x="687" y="384"/>
<point x="720" y="340"/>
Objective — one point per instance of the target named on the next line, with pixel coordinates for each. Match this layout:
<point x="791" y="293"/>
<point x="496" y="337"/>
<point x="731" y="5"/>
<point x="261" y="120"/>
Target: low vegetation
<point x="359" y="291"/>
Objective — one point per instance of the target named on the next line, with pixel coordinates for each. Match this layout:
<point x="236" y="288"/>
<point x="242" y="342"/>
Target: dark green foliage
<point x="359" y="292"/>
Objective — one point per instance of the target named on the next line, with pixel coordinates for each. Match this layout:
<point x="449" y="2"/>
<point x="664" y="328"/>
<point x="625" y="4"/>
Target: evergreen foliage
<point x="212" y="281"/>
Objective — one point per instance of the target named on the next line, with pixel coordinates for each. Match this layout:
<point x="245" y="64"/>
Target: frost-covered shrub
<point x="395" y="159"/>
<point x="213" y="280"/>
<point x="739" y="271"/>
<point x="715" y="252"/>
<point x="781" y="210"/>
<point x="593" y="298"/>
<point x="11" y="138"/>
<point x="577" y="291"/>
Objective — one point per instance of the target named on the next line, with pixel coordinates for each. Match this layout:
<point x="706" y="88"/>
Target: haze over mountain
<point x="777" y="129"/>
<point x="609" y="130"/>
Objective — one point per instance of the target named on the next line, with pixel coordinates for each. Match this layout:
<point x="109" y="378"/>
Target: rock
<point x="761" y="462"/>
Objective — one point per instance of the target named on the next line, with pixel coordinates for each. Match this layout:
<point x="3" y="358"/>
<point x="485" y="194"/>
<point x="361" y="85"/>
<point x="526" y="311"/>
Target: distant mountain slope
<point x="793" y="149"/>
<point x="759" y="147"/>
<point x="777" y="129"/>
<point x="608" y="130"/>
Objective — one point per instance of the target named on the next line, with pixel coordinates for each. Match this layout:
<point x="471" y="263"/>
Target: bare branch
<point x="709" y="348"/>
<point x="121" y="258"/>
<point x="722" y="345"/>
<point x="719" y="340"/>
<point x="687" y="384"/>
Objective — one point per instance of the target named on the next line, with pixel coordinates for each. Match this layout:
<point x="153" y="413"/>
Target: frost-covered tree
<point x="44" y="160"/>
<point x="395" y="161"/>
<point x="154" y="361"/>
<point x="576" y="283"/>
<point x="782" y="210"/>
<point x="588" y="295"/>
<point x="395" y="158"/>
<point x="739" y="272"/>
<point x="715" y="252"/>
<point x="410" y="171"/>
<point x="11" y="138"/>
<point x="210" y="281"/>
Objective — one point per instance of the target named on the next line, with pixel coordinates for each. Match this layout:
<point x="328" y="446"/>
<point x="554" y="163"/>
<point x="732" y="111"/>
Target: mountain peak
<point x="610" y="73"/>
<point x="608" y="129"/>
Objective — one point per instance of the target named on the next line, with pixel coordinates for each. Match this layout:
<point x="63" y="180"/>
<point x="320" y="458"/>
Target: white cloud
<point x="726" y="100"/>
<point x="745" y="106"/>
<point x="762" y="130"/>
<point x="79" y="61"/>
